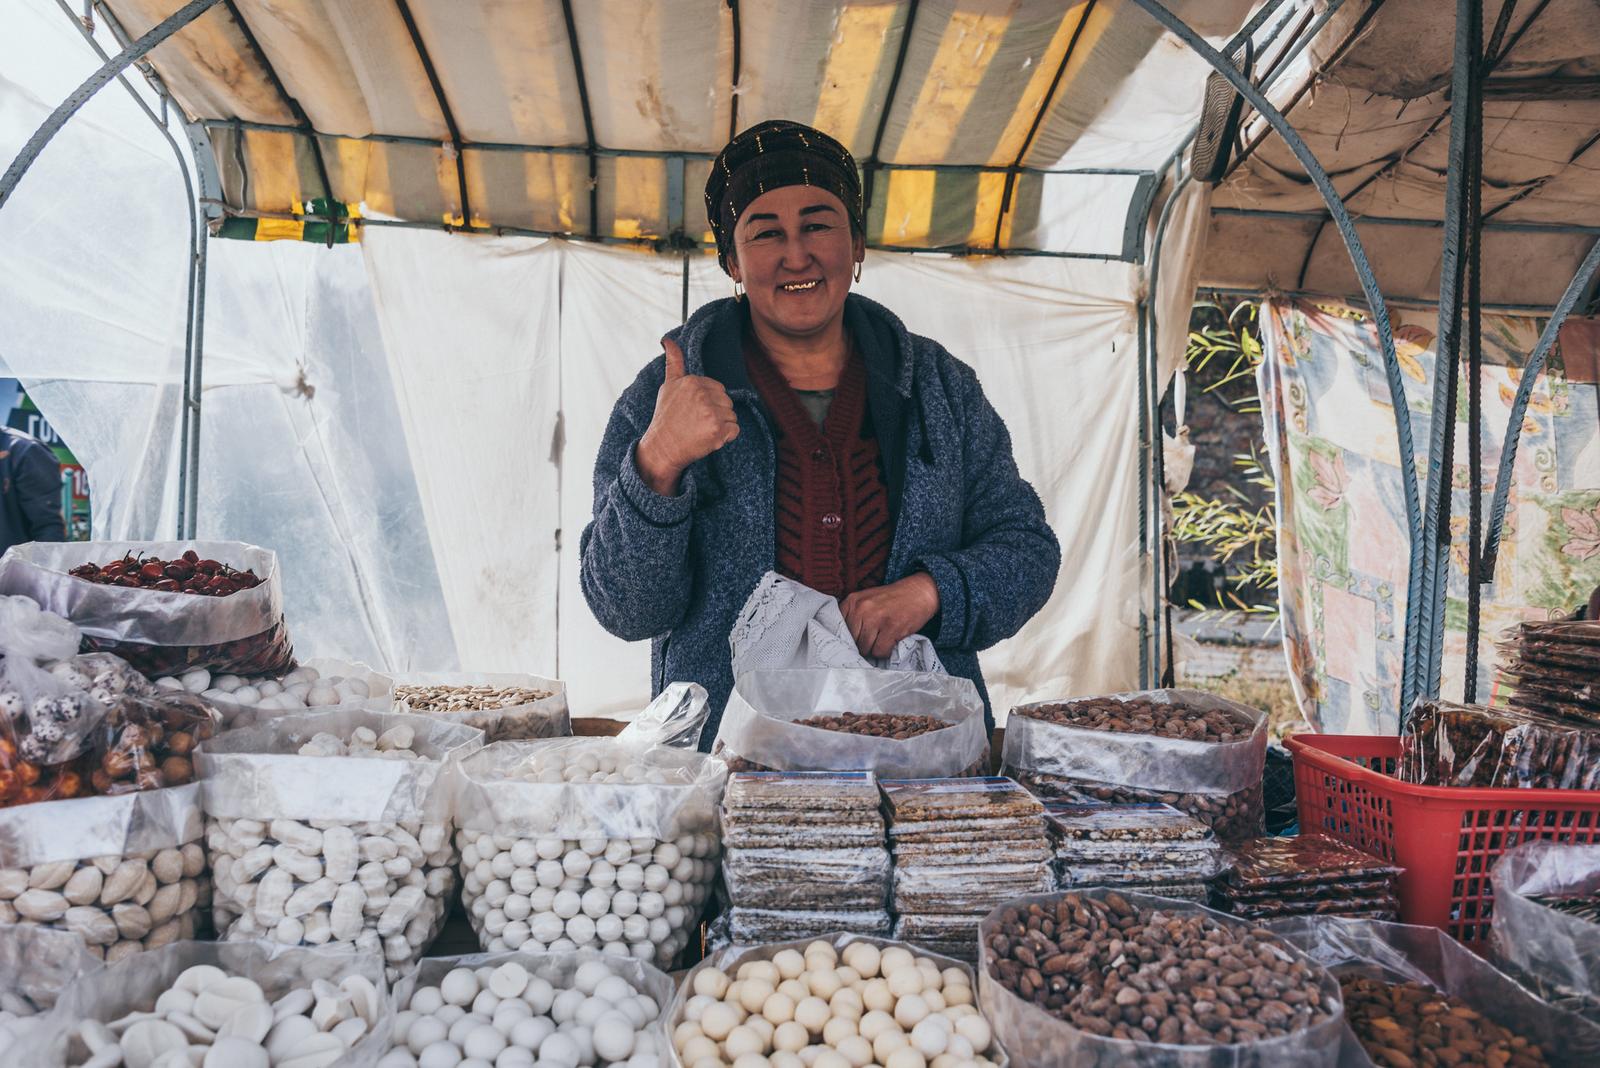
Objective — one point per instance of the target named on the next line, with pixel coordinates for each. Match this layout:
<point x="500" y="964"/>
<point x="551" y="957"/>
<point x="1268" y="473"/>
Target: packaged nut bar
<point x="1445" y="744"/>
<point x="1123" y="823"/>
<point x="1306" y="859"/>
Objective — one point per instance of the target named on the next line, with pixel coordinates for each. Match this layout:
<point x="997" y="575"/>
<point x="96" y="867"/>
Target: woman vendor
<point x="798" y="428"/>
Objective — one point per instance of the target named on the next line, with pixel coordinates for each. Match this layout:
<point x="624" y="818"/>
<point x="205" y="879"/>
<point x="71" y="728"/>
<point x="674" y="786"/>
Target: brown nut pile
<point x="1141" y="716"/>
<point x="1110" y="968"/>
<point x="876" y="724"/>
<point x="1408" y="1025"/>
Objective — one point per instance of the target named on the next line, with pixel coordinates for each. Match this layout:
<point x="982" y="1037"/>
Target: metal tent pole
<point x="93" y="84"/>
<point x="1426" y="594"/>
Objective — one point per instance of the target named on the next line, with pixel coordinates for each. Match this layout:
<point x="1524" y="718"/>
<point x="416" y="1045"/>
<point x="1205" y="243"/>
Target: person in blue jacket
<point x="30" y="491"/>
<point x="801" y="428"/>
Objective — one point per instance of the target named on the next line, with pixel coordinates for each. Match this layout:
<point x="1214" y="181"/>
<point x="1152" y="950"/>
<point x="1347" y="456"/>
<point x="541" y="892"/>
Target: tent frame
<point x="1427" y="513"/>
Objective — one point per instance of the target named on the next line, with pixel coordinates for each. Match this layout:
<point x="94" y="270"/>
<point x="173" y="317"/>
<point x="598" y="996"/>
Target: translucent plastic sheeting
<point x="1052" y="340"/>
<point x="301" y="448"/>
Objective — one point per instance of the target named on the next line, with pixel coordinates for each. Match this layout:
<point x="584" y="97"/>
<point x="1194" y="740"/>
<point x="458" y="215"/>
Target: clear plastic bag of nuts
<point x="761" y="728"/>
<point x="1087" y="958"/>
<point x="864" y="1015"/>
<point x="607" y="843"/>
<point x="1211" y="769"/>
<point x="334" y="829"/>
<point x="124" y="873"/>
<point x="134" y="986"/>
<point x="538" y="980"/>
<point x="160" y="631"/>
<point x="1554" y="952"/>
<point x="36" y="964"/>
<point x="505" y="706"/>
<point x="1403" y="953"/>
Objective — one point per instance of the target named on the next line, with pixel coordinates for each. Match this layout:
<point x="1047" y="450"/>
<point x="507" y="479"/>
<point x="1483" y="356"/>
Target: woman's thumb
<point x="674" y="357"/>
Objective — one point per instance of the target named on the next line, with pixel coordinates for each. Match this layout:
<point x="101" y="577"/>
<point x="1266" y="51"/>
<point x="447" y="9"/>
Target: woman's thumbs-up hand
<point x="693" y="418"/>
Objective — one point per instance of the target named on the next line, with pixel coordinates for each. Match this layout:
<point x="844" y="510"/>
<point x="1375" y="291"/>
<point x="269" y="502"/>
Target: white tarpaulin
<point x="412" y="425"/>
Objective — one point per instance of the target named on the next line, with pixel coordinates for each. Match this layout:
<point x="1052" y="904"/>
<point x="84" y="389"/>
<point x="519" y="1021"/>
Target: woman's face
<point x="794" y="252"/>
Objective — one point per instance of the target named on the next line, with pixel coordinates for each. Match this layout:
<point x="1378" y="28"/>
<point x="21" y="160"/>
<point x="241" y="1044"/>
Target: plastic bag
<point x="477" y="705"/>
<point x="134" y="985"/>
<point x="160" y="632"/>
<point x="559" y="970"/>
<point x="1040" y="1039"/>
<point x="673" y="720"/>
<point x="1397" y="952"/>
<point x="1446" y="744"/>
<point x="731" y="958"/>
<point x="760" y="730"/>
<point x="602" y="842"/>
<point x="785" y="624"/>
<point x="125" y="873"/>
<point x="1219" y="783"/>
<point x="350" y="851"/>
<point x="1556" y="954"/>
<point x="36" y="964"/>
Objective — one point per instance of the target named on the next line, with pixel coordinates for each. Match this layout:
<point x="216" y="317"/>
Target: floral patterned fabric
<point x="1342" y="543"/>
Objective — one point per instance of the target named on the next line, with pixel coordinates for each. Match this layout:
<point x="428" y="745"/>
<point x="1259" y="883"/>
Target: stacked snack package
<point x="1151" y="848"/>
<point x="803" y="856"/>
<point x="961" y="847"/>
<point x="1192" y="750"/>
<point x="1307" y="875"/>
<point x="1554" y="668"/>
<point x="1446" y="744"/>
<point x="1546" y="926"/>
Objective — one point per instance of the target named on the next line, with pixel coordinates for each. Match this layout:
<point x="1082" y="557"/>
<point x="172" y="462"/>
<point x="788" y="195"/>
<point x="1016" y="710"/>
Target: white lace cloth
<point x="785" y="624"/>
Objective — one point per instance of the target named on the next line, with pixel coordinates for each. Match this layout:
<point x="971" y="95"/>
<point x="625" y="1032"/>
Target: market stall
<point x="217" y="850"/>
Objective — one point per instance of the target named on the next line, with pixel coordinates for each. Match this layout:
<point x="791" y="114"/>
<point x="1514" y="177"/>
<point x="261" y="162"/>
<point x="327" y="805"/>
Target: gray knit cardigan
<point x="677" y="569"/>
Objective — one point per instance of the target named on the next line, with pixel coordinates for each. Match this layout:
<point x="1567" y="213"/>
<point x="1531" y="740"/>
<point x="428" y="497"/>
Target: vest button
<point x="831" y="520"/>
<point x="819" y="455"/>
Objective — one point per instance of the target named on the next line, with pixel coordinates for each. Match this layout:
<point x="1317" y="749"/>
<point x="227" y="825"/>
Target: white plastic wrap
<point x="758" y="730"/>
<point x="576" y="842"/>
<point x="559" y="970"/>
<point x="547" y="717"/>
<point x="1217" y="782"/>
<point x="1040" y="1040"/>
<point x="1555" y="953"/>
<point x="351" y="851"/>
<point x="1397" y="952"/>
<point x="124" y="873"/>
<point x="728" y="960"/>
<point x="36" y="964"/>
<point x="134" y="985"/>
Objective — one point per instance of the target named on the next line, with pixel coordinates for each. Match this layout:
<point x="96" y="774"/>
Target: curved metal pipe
<point x="93" y="84"/>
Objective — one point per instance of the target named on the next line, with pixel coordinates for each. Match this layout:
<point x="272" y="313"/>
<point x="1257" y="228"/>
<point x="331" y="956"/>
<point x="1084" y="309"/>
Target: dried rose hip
<point x="187" y="574"/>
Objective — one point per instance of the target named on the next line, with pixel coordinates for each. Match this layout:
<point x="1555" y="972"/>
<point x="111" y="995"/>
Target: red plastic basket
<point x="1446" y="838"/>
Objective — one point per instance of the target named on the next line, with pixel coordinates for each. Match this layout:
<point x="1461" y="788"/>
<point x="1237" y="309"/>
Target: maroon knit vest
<point x="831" y="507"/>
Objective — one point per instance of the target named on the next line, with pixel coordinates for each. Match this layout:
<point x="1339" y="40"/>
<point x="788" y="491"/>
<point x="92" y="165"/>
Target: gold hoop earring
<point x="858" y="270"/>
<point x="738" y="290"/>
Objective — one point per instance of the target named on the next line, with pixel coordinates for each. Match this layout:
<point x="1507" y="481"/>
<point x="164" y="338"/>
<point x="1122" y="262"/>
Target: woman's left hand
<point x="880" y="617"/>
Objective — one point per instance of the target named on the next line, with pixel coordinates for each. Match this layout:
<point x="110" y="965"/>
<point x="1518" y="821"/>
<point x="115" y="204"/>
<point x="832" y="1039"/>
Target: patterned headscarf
<point x="771" y="155"/>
